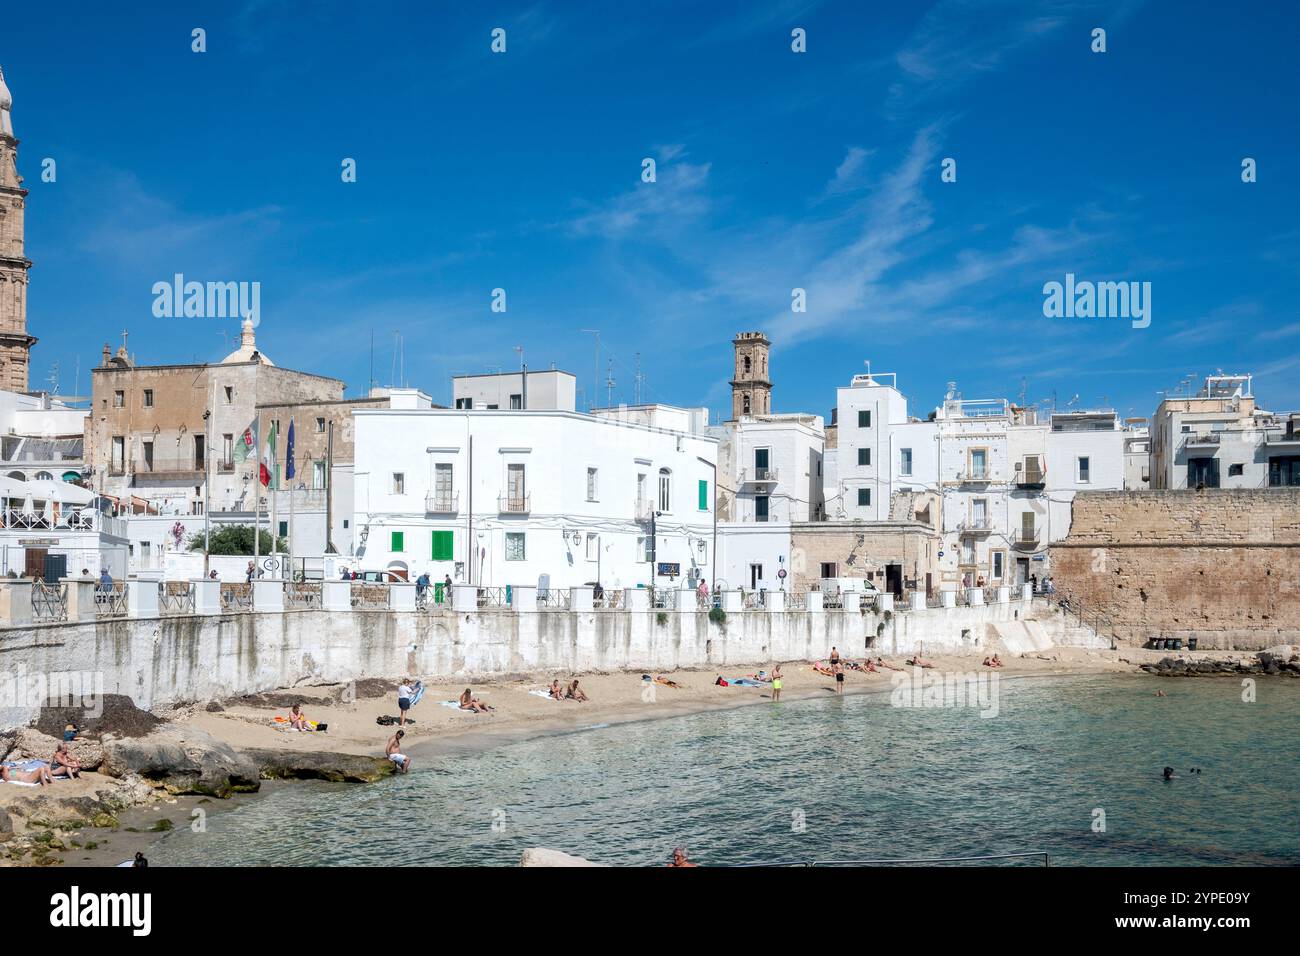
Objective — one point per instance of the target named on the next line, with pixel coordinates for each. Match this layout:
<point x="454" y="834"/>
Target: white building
<point x="770" y="469"/>
<point x="1221" y="438"/>
<point x="549" y="389"/>
<point x="514" y="497"/>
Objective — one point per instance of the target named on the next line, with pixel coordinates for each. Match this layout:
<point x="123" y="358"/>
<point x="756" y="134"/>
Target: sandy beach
<point x="520" y="712"/>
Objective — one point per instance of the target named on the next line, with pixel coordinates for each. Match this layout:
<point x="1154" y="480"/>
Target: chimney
<point x="107" y="353"/>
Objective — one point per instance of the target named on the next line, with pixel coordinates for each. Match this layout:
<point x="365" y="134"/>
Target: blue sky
<point x="776" y="170"/>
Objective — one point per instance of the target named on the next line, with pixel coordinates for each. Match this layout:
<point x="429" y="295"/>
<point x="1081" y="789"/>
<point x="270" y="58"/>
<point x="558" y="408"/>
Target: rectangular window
<point x="1202" y="473"/>
<point x="999" y="558"/>
<point x="979" y="462"/>
<point x="514" y="546"/>
<point x="1027" y="526"/>
<point x="320" y="426"/>
<point x="665" y="491"/>
<point x="979" y="511"/>
<point x="864" y="418"/>
<point x="704" y="495"/>
<point x="148" y="398"/>
<point x="830" y="569"/>
<point x="399" y="483"/>
<point x="200" y="459"/>
<point x="1033" y="470"/>
<point x="230" y="394"/>
<point x="144" y="549"/>
<point x="516" y="487"/>
<point x="228" y="450"/>
<point x="516" y="401"/>
<point x="465" y="403"/>
<point x="119" y="398"/>
<point x="397" y="542"/>
<point x="864" y="456"/>
<point x="148" y="455"/>
<point x="1085" y="468"/>
<point x="905" y="461"/>
<point x="119" y="451"/>
<point x="761" y="464"/>
<point x="760" y="507"/>
<point x="442" y="477"/>
<point x="591" y="484"/>
<point x="643" y="549"/>
<point x="864" y="497"/>
<point x="443" y="542"/>
<point x="593" y="547"/>
<point x="1237" y="469"/>
<point x="318" y="474"/>
<point x="284" y="529"/>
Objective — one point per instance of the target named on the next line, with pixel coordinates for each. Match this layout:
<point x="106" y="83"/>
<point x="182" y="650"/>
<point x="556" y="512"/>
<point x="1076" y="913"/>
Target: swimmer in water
<point x="1169" y="773"/>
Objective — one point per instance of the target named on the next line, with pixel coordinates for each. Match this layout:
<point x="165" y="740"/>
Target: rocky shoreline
<point x="1265" y="664"/>
<point x="170" y="760"/>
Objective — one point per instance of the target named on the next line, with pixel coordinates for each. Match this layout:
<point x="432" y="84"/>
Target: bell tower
<point x="15" y="343"/>
<point x="751" y="389"/>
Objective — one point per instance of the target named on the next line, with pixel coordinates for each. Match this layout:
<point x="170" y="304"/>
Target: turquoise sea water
<point x="866" y="780"/>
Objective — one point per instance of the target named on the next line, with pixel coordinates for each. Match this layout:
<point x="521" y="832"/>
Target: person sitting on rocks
<point x="63" y="764"/>
<point x="394" y="752"/>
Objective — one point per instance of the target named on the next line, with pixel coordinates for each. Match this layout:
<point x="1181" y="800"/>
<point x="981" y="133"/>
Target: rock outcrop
<point x="540" y="856"/>
<point x="183" y="759"/>
<point x="315" y="765"/>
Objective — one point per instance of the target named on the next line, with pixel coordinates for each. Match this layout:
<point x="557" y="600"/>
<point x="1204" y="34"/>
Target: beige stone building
<point x="893" y="556"/>
<point x="751" y="388"/>
<point x="154" y="431"/>
<point x="15" y="343"/>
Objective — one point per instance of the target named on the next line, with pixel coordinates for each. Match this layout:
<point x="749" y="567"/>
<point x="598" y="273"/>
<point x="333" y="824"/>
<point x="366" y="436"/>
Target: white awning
<point x="60" y="491"/>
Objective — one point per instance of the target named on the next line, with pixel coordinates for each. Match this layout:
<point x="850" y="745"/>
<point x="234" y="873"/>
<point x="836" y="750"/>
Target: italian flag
<point x="266" y="467"/>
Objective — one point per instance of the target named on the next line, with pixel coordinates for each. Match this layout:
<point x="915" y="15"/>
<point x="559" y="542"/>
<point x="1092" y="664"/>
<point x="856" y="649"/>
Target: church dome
<point x="247" y="351"/>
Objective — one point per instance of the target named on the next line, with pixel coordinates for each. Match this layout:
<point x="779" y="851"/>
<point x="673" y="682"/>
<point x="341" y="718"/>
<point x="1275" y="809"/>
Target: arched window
<point x="665" y="490"/>
<point x="17" y="476"/>
<point x="745" y="401"/>
<point x="44" y="476"/>
<point x="748" y="365"/>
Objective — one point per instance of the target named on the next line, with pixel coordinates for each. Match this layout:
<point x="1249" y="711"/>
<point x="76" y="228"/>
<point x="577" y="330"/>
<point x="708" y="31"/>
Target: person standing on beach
<point x="404" y="693"/>
<point x="394" y="752"/>
<point x="838" y="670"/>
<point x="776" y="683"/>
<point x="835" y="656"/>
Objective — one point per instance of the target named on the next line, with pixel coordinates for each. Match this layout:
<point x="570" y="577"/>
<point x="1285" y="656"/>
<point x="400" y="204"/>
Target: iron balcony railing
<point x="442" y="504"/>
<point x="608" y="600"/>
<point x="305" y="595"/>
<point x="555" y="599"/>
<point x="1026" y="537"/>
<point x="761" y="475"/>
<point x="515" y="504"/>
<point x="975" y="526"/>
<point x="111" y="602"/>
<point x="237" y="597"/>
<point x="493" y="597"/>
<point x="1203" y="440"/>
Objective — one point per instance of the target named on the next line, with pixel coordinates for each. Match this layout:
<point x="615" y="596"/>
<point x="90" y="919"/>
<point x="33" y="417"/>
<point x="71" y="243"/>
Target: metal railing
<point x="302" y="594"/>
<point x="1209" y="438"/>
<point x="515" y="504"/>
<point x="369" y="596"/>
<point x="175" y="597"/>
<point x="796" y="600"/>
<point x="49" y="602"/>
<point x="609" y="600"/>
<point x="493" y="597"/>
<point x="555" y="599"/>
<point x="110" y="602"/>
<point x="753" y="600"/>
<point x="975" y="525"/>
<point x="664" y="599"/>
<point x="756" y="474"/>
<point x="442" y="504"/>
<point x="427" y="600"/>
<point x="236" y="597"/>
<point x="1065" y="602"/>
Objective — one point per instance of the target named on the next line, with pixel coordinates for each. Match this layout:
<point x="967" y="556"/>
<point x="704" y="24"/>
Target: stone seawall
<point x="168" y="660"/>
<point x="1222" y="566"/>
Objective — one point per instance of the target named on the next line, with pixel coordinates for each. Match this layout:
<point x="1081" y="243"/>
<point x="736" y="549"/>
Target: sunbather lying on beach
<point x="822" y="669"/>
<point x="918" y="661"/>
<point x="575" y="692"/>
<point x="881" y="662"/>
<point x="469" y="702"/>
<point x="63" y="764"/>
<point x="39" y="774"/>
<point x="992" y="661"/>
<point x="666" y="682"/>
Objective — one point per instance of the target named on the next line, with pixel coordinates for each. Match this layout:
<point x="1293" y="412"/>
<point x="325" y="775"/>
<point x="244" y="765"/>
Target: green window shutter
<point x="398" y="541"/>
<point x="704" y="495"/>
<point x="442" y="546"/>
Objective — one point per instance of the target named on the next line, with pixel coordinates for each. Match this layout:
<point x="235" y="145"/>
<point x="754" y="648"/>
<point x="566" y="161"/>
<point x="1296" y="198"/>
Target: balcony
<point x="1279" y="438"/>
<point x="443" y="504"/>
<point x="974" y="476"/>
<point x="515" y="504"/>
<point x="1031" y="479"/>
<point x="225" y="467"/>
<point x="759" y="476"/>
<point x="975" y="526"/>
<point x="1026" y="538"/>
<point x="1207" y="440"/>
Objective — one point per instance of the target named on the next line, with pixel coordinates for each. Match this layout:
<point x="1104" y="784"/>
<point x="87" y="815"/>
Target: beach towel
<point x="745" y="682"/>
<point x="545" y="694"/>
<point x="25" y="766"/>
<point x="20" y="783"/>
<point x="417" y="692"/>
<point x="285" y="721"/>
<point x="453" y="704"/>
